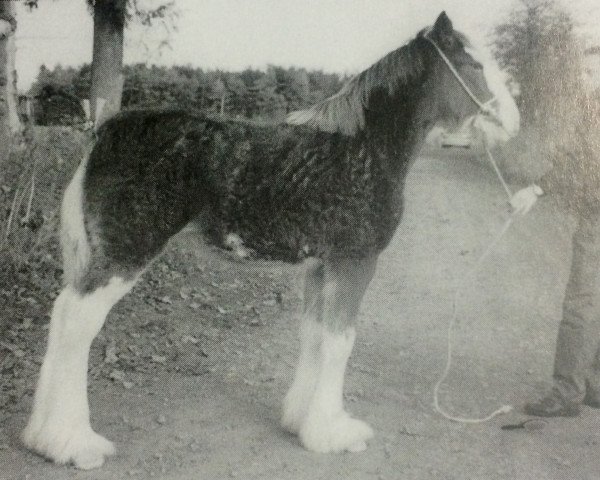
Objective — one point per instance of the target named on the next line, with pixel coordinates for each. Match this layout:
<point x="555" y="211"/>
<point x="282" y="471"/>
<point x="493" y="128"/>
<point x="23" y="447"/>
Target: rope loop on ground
<point x="505" y="408"/>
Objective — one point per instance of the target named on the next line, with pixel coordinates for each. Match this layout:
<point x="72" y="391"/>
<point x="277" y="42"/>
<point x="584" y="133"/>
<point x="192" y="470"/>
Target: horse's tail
<point x="73" y="236"/>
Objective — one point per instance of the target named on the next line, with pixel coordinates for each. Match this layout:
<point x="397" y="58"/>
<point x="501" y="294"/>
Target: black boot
<point x="553" y="405"/>
<point x="592" y="399"/>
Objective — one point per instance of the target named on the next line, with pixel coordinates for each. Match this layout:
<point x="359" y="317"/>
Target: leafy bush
<point x="31" y="186"/>
<point x="539" y="46"/>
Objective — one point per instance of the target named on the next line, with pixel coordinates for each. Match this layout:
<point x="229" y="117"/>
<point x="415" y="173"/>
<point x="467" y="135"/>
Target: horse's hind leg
<point x="326" y="426"/>
<point x="295" y="405"/>
<point x="59" y="427"/>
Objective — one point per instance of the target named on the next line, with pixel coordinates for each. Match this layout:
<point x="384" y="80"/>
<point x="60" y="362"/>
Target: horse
<point x="325" y="188"/>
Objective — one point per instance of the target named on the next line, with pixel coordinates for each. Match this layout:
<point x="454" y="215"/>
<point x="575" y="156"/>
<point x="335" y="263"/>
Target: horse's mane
<point x="345" y="111"/>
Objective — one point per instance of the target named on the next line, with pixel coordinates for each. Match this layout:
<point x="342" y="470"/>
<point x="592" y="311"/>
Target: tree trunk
<point x="107" y="60"/>
<point x="9" y="119"/>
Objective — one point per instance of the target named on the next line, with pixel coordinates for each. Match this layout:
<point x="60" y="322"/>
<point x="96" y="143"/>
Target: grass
<point x="31" y="186"/>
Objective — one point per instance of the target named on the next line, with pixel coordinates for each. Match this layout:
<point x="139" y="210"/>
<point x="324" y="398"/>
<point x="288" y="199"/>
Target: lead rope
<point x="453" y="319"/>
<point x="483" y="107"/>
<point x="456" y="74"/>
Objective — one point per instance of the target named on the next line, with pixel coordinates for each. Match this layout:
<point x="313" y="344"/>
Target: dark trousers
<point x="577" y="360"/>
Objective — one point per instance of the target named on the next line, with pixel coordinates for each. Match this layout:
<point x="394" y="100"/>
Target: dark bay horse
<point x="325" y="187"/>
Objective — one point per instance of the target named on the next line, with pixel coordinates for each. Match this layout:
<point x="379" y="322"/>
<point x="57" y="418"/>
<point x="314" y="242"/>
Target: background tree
<point x="57" y="95"/>
<point x="107" y="57"/>
<point x="271" y="103"/>
<point x="110" y="17"/>
<point x="538" y="45"/>
<point x="253" y="94"/>
<point x="9" y="120"/>
<point x="237" y="94"/>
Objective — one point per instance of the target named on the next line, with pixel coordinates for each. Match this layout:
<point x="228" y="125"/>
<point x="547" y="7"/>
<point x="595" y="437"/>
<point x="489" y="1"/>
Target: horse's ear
<point x="442" y="29"/>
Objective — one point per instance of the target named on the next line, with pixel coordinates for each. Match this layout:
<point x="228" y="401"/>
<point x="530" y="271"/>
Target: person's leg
<point x="592" y="387"/>
<point x="579" y="329"/>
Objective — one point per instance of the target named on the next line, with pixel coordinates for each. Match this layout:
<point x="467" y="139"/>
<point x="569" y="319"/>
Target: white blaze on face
<point x="503" y="105"/>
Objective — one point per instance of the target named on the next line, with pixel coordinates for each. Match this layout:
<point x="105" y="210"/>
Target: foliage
<point x="163" y="13"/>
<point x="147" y="12"/>
<point x="115" y="11"/>
<point x="31" y="185"/>
<point x="74" y="81"/>
<point x="255" y="94"/>
<point x="539" y="47"/>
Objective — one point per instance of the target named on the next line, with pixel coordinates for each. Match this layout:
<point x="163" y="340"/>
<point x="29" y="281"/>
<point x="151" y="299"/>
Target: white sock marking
<point x="59" y="427"/>
<point x="327" y="427"/>
<point x="305" y="379"/>
<point x="335" y="351"/>
<point x="73" y="238"/>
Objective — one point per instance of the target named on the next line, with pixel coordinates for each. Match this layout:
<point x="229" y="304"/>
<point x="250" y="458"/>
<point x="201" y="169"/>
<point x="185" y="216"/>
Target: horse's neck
<point x="396" y="137"/>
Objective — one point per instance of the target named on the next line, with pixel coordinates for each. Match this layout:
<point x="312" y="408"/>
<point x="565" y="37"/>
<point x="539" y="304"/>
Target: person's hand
<point x="524" y="200"/>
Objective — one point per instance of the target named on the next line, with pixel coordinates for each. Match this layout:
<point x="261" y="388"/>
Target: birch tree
<point x="9" y="119"/>
<point x="107" y="58"/>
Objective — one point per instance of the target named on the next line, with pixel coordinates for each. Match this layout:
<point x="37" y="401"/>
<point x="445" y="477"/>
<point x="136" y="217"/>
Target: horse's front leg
<point x="295" y="405"/>
<point x="326" y="426"/>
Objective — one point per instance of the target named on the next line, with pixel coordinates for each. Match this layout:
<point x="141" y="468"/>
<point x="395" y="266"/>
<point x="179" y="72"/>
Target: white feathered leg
<point x="295" y="405"/>
<point x="297" y="400"/>
<point x="59" y="427"/>
<point x="328" y="427"/>
<point x="324" y="425"/>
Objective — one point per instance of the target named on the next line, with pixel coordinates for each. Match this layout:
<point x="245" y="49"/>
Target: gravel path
<point x="204" y="402"/>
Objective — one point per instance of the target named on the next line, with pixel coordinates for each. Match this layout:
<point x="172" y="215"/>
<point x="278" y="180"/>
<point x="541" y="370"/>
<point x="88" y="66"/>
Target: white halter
<point x="483" y="107"/>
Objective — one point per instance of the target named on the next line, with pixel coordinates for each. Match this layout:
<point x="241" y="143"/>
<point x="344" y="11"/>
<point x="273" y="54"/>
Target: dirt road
<point x="215" y="416"/>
